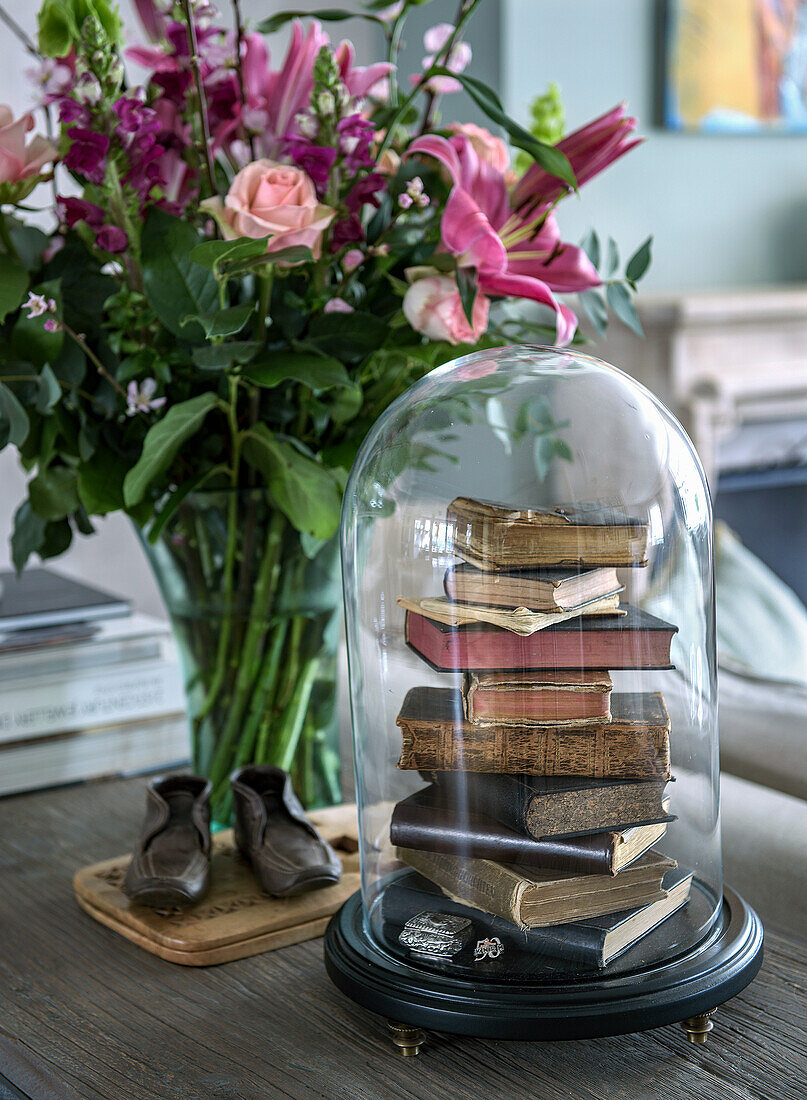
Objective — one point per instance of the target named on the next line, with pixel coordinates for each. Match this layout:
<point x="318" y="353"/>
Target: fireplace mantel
<point x="719" y="359"/>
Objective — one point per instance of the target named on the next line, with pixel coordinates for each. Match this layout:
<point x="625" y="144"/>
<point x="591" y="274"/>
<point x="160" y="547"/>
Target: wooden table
<point x="84" y="1014"/>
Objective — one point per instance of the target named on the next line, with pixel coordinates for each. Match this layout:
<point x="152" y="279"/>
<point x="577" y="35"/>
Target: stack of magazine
<point x="87" y="688"/>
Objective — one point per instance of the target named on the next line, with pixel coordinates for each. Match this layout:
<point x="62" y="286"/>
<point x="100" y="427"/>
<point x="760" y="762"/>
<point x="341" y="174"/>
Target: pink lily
<point x="359" y="81"/>
<point x="589" y="150"/>
<point x="514" y="257"/>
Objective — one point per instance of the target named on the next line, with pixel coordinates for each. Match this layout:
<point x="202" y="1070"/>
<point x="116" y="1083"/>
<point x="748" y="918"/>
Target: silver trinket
<point x="436" y="935"/>
<point x="490" y="948"/>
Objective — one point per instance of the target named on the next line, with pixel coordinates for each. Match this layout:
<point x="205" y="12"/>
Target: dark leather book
<point x="632" y="640"/>
<point x="598" y="940"/>
<point x="498" y="536"/>
<point x="635" y="744"/>
<point x="538" y="589"/>
<point x="430" y="822"/>
<point x="567" y="948"/>
<point x="538" y="897"/>
<point x="542" y="806"/>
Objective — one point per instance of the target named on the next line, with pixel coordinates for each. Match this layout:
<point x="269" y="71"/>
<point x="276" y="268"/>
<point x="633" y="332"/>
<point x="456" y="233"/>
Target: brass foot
<point x="407" y="1039"/>
<point x="698" y="1027"/>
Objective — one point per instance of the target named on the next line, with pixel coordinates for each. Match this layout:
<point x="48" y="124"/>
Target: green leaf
<point x="543" y="451"/>
<point x="100" y="482"/>
<point x="595" y="309"/>
<point x="639" y="261"/>
<point x="219" y="356"/>
<point x="27" y="536"/>
<point x="175" y="286"/>
<point x="58" y="536"/>
<point x="211" y="254"/>
<point x="563" y="450"/>
<point x="304" y="490"/>
<point x="29" y="242"/>
<point x="61" y="22"/>
<point x="325" y="15"/>
<point x="13" y="414"/>
<point x="620" y="302"/>
<point x="294" y="254"/>
<point x="48" y="392"/>
<point x="611" y="258"/>
<point x="550" y="158"/>
<point x="54" y="492"/>
<point x="162" y="443"/>
<point x="13" y="284"/>
<point x="466" y="283"/>
<point x="319" y="372"/>
<point x="222" y="322"/>
<point x="591" y="246"/>
<point x="347" y="336"/>
<point x="346" y="404"/>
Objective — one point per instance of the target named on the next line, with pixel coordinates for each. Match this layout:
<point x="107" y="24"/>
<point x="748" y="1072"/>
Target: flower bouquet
<point x="250" y="260"/>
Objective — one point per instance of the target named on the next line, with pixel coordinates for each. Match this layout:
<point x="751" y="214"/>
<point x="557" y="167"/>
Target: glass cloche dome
<point x="528" y="570"/>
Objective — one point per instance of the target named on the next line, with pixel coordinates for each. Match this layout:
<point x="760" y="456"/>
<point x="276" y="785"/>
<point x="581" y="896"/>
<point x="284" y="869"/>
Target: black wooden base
<point x="688" y="986"/>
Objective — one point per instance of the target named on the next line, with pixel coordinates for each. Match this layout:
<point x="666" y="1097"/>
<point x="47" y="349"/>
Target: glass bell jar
<point x="529" y="589"/>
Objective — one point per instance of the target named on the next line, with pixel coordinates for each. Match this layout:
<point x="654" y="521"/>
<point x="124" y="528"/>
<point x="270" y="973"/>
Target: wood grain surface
<point x="87" y="1015"/>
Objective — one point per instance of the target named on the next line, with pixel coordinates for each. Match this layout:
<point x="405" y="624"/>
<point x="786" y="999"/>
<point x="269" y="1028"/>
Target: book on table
<point x="574" y="697"/>
<point x="534" y="897"/>
<point x="550" y="589"/>
<point x="496" y="537"/>
<point x="42" y="597"/>
<point x="437" y="736"/>
<point x="428" y="820"/>
<point x="633" y="640"/>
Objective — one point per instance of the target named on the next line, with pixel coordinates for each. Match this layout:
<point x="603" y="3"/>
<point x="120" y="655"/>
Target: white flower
<point x="326" y="104"/>
<point x="38" y="304"/>
<point x="140" y="398"/>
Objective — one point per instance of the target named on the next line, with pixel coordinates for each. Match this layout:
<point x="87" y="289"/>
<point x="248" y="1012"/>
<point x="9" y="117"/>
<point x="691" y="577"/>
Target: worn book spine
<point x="599" y="751"/>
<point x="482" y="884"/>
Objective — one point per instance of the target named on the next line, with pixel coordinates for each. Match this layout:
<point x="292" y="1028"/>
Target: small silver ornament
<point x="436" y="935"/>
<point x="490" y="948"/>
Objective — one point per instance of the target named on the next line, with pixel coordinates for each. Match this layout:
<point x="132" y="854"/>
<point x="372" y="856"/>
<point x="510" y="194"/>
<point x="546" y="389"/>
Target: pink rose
<point x="274" y="200"/>
<point x="490" y="149"/>
<point x="18" y="163"/>
<point x="433" y="306"/>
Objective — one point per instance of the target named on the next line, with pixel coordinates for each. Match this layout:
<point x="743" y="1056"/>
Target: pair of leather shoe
<point x="171" y="863"/>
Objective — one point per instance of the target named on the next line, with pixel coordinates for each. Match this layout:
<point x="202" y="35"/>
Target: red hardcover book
<point x="634" y="640"/>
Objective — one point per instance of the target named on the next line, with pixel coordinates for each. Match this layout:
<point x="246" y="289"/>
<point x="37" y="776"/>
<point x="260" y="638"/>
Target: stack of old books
<point x="547" y="792"/>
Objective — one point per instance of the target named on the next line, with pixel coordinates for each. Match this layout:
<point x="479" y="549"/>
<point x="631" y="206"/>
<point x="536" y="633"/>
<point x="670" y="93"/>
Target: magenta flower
<point x="347" y="231"/>
<point x="589" y="150"/>
<point x="514" y="257"/>
<point x="87" y="153"/>
<point x="316" y="160"/>
<point x="79" y="210"/>
<point x="356" y="136"/>
<point x="365" y="191"/>
<point x="111" y="239"/>
<point x="359" y="81"/>
<point x="70" y="111"/>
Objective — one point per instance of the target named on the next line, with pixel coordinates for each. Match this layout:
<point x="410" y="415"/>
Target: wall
<point x="725" y="211"/>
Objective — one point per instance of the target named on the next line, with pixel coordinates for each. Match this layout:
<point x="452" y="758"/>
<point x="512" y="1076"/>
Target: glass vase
<point x="256" y="611"/>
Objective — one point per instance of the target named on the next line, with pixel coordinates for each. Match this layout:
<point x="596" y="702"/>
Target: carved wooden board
<point x="236" y="919"/>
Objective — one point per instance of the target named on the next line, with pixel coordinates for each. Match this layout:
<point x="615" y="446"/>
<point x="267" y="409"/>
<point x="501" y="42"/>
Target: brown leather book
<point x="496" y="537"/>
<point x="538" y="589"/>
<point x="437" y="736"/>
<point x="542" y="806"/>
<point x="429" y="822"/>
<point x="575" y="698"/>
<point x="634" y="639"/>
<point x="536" y="898"/>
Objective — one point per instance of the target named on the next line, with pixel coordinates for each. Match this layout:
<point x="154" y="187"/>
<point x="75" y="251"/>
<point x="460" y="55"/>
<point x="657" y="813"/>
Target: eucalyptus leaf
<point x="595" y="309"/>
<point x="611" y="258"/>
<point x="13" y="284"/>
<point x="591" y="246"/>
<point x="27" y="536"/>
<point x="318" y="372"/>
<point x="175" y="286"/>
<point x="162" y="444"/>
<point x="14" y="415"/>
<point x="306" y="492"/>
<point x="466" y="283"/>
<point x="639" y="261"/>
<point x="222" y="322"/>
<point x="543" y="451"/>
<point x="619" y="300"/>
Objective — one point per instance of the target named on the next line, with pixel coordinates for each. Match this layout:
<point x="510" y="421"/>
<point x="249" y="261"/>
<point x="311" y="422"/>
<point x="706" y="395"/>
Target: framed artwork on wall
<point x="735" y="66"/>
